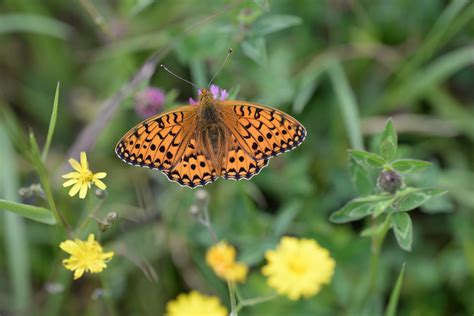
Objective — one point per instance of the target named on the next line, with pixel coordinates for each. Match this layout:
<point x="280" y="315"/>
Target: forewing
<point x="262" y="132"/>
<point x="159" y="141"/>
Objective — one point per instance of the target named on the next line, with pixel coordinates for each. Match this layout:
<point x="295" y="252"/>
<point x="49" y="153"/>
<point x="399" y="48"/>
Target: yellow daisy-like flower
<point x="82" y="179"/>
<point x="195" y="304"/>
<point x="298" y="267"/>
<point x="86" y="256"/>
<point x="221" y="258"/>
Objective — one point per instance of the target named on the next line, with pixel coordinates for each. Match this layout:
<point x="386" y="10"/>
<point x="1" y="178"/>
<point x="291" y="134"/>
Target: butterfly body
<point x="193" y="145"/>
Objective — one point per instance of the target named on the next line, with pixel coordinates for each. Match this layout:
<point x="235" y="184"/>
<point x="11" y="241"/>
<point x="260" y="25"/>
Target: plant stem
<point x="377" y="242"/>
<point x="206" y="222"/>
<point x="88" y="218"/>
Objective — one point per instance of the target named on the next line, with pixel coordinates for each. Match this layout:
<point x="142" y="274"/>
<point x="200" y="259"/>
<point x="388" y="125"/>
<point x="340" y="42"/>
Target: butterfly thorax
<point x="211" y="132"/>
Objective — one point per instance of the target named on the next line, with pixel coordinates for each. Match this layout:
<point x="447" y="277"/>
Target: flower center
<point x="297" y="266"/>
<point x="87" y="176"/>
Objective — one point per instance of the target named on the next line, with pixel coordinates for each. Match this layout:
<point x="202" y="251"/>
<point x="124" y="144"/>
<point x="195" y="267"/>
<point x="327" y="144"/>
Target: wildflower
<point x="195" y="304"/>
<point x="82" y="178"/>
<point x="86" y="256"/>
<point x="298" y="267"/>
<point x="221" y="258"/>
<point x="218" y="94"/>
<point x="149" y="102"/>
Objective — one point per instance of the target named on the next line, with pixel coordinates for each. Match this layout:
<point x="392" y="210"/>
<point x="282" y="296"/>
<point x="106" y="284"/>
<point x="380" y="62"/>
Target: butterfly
<point x="194" y="145"/>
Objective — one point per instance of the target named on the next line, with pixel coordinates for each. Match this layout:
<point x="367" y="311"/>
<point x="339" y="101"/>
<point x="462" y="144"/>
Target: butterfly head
<point x="206" y="97"/>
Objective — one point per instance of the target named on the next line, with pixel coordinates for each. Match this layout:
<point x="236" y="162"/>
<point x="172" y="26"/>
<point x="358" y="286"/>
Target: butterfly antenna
<point x="220" y="68"/>
<point x="172" y="73"/>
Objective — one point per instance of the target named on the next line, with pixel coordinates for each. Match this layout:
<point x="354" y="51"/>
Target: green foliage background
<point x="340" y="67"/>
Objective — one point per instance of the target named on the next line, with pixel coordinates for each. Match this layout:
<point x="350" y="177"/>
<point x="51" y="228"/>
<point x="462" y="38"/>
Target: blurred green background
<point x="341" y="67"/>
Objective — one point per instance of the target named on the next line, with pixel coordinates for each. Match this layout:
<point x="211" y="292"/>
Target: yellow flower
<point x="86" y="256"/>
<point x="298" y="267"/>
<point x="82" y="178"/>
<point x="221" y="258"/>
<point x="195" y="304"/>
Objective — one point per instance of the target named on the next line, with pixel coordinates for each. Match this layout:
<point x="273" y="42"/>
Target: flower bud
<point x="100" y="194"/>
<point x="108" y="221"/>
<point x="390" y="181"/>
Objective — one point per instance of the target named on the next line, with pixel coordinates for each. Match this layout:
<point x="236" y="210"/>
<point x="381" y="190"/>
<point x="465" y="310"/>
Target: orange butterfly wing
<point x="239" y="164"/>
<point x="193" y="169"/>
<point x="159" y="141"/>
<point x="167" y="142"/>
<point x="262" y="132"/>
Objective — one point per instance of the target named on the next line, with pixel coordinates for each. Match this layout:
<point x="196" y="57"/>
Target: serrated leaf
<point x="273" y="23"/>
<point x="410" y="165"/>
<point x="357" y="208"/>
<point x="411" y="198"/>
<point x="403" y="230"/>
<point x="367" y="159"/>
<point x="389" y="141"/>
<point x="255" y="49"/>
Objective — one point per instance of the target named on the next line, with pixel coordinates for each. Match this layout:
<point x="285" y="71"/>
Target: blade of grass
<point x="393" y="302"/>
<point x="35" y="159"/>
<point x="16" y="245"/>
<point x="52" y="125"/>
<point x="347" y="103"/>
<point x="417" y="85"/>
<point x="440" y="33"/>
<point x="31" y="23"/>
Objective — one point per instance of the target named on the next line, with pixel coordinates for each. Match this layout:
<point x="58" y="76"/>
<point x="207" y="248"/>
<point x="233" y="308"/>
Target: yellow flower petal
<point x="101" y="185"/>
<point x="83" y="191"/>
<point x="75" y="189"/>
<point x="75" y="165"/>
<point x="298" y="267"/>
<point x="83" y="178"/>
<point x="70" y="175"/>
<point x="84" y="163"/>
<point x="100" y="175"/>
<point x="70" y="182"/>
<point x="85" y="256"/>
<point x="195" y="304"/>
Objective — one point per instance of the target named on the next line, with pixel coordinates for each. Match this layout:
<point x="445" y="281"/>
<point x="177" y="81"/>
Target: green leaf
<point x="52" y="125"/>
<point x="273" y="23"/>
<point x="358" y="208"/>
<point x="388" y="142"/>
<point x="410" y="198"/>
<point x="393" y="302"/>
<point x="30" y="23"/>
<point x="382" y="206"/>
<point x="361" y="177"/>
<point x="35" y="158"/>
<point x="403" y="230"/>
<point x="305" y="91"/>
<point x="255" y="49"/>
<point x="367" y="159"/>
<point x="35" y="213"/>
<point x="347" y="103"/>
<point x="378" y="228"/>
<point x="410" y="165"/>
